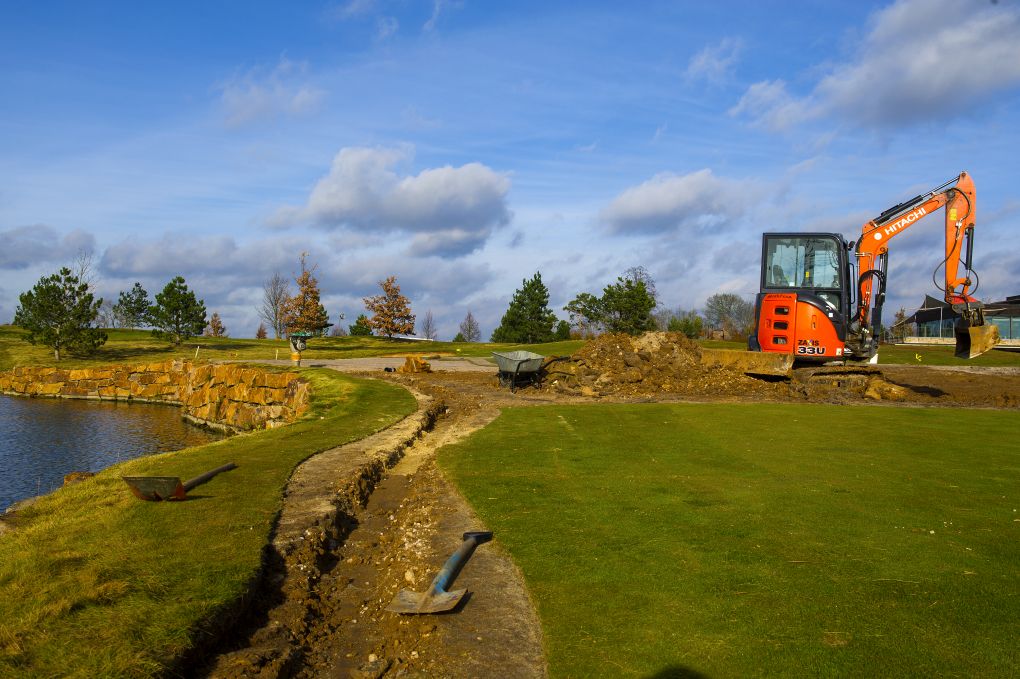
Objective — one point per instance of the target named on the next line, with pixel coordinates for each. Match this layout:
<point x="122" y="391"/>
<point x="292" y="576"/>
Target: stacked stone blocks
<point x="231" y="396"/>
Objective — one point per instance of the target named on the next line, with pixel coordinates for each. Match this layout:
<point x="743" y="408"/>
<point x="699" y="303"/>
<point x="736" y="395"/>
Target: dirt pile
<point x="655" y="363"/>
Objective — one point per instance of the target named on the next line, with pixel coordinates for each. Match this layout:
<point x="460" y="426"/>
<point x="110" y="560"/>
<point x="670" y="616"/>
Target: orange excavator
<point x="807" y="308"/>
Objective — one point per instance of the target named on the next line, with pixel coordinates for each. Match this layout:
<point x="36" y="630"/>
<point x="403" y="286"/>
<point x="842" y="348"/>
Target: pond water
<point x="41" y="439"/>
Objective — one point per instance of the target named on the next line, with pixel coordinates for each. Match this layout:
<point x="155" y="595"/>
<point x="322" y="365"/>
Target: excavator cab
<point x="803" y="306"/>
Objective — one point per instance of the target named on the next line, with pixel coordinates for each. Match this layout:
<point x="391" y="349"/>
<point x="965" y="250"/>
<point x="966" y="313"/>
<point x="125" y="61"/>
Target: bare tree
<point x="108" y="316"/>
<point x="730" y="313"/>
<point x="428" y="326"/>
<point x="275" y="293"/>
<point x="84" y="269"/>
<point x="639" y="274"/>
<point x="469" y="329"/>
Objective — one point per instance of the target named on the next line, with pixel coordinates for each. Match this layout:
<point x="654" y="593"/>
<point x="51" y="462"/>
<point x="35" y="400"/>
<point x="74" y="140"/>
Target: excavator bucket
<point x="975" y="340"/>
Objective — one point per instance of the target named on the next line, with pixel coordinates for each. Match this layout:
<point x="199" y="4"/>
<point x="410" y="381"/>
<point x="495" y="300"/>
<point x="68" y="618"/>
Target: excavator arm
<point x="974" y="337"/>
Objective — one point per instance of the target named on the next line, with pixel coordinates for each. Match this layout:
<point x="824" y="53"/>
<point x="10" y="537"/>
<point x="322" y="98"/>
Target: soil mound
<point x="654" y="363"/>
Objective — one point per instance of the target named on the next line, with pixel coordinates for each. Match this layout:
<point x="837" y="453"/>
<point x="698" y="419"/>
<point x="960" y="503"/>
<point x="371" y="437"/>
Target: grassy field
<point x="139" y="346"/>
<point x="95" y="583"/>
<point x="748" y="540"/>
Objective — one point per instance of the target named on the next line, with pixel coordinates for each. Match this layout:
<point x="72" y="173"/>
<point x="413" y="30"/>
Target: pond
<point x="42" y="439"/>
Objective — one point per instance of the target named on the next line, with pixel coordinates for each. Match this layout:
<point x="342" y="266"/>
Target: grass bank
<point x="748" y="540"/>
<point x="139" y="346"/>
<point x="96" y="583"/>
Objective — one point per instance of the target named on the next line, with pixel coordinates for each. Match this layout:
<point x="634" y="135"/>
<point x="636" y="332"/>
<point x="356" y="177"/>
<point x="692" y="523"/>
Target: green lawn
<point x="95" y="583"/>
<point x="747" y="540"/>
<point x="139" y="346"/>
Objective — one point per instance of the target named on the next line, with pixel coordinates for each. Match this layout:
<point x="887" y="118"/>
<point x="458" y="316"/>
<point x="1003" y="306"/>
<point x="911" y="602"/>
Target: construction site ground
<point x="339" y="560"/>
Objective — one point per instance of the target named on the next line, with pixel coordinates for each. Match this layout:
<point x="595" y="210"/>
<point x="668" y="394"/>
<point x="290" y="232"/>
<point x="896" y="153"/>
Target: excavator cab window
<point x="808" y="263"/>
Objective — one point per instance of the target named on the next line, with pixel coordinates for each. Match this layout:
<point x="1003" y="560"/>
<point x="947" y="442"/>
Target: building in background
<point x="934" y="320"/>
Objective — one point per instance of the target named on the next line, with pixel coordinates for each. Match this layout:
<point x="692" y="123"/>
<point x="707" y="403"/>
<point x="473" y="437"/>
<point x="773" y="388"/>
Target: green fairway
<point x="748" y="540"/>
<point x="95" y="583"/>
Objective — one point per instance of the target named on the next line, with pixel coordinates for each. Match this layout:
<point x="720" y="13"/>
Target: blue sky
<point x="462" y="146"/>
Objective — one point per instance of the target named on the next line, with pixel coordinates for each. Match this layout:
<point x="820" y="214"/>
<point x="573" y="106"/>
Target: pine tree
<point x="391" y="310"/>
<point x="59" y="312"/>
<point x="177" y="315"/>
<point x="216" y="327"/>
<point x="528" y="319"/>
<point x="627" y="307"/>
<point x="304" y="312"/>
<point x="132" y="307"/>
<point x="361" y="328"/>
<point x="261" y="332"/>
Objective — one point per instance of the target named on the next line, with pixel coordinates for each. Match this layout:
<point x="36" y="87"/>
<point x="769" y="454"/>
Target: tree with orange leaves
<point x="391" y="310"/>
<point x="303" y="312"/>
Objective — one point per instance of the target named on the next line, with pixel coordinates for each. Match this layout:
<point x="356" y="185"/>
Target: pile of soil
<point x="654" y="363"/>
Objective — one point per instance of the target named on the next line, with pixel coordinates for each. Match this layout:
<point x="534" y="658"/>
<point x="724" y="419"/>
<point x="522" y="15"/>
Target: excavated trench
<point x="360" y="523"/>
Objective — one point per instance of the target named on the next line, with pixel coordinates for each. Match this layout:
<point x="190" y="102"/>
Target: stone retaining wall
<point x="230" y="396"/>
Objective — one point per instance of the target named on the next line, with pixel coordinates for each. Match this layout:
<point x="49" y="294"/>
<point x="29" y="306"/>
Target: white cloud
<point x="260" y="94"/>
<point x="452" y="210"/>
<point x="385" y="27"/>
<point x="438" y="7"/>
<point x="177" y="253"/>
<point x="715" y="63"/>
<point x="24" y="246"/>
<point x="668" y="201"/>
<point x="768" y="103"/>
<point x="352" y="8"/>
<point x="923" y="60"/>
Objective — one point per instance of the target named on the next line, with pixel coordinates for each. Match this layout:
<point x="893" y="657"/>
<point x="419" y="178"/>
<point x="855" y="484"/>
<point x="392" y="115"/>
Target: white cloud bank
<point x="25" y="246"/>
<point x="668" y="201"/>
<point x="451" y="211"/>
<point x="923" y="60"/>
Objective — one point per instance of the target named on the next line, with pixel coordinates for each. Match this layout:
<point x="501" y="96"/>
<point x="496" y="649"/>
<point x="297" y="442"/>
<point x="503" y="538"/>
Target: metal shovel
<point x="158" y="488"/>
<point x="437" y="599"/>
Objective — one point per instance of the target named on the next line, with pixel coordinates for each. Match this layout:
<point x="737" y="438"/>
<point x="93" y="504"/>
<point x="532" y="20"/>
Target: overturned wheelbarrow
<point x="156" y="488"/>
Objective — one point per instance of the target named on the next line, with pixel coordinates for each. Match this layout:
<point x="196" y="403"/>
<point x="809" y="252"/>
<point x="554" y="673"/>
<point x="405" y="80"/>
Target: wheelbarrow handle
<point x="202" y="478"/>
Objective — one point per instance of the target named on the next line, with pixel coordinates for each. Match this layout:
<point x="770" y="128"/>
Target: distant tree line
<point x="62" y="312"/>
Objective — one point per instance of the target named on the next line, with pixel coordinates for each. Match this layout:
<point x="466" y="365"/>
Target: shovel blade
<point x="413" y="603"/>
<point x="975" y="340"/>
<point x="155" y="488"/>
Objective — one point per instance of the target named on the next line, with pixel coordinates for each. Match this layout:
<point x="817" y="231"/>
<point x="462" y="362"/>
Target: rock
<point x="880" y="390"/>
<point x="77" y="477"/>
<point x="373" y="669"/>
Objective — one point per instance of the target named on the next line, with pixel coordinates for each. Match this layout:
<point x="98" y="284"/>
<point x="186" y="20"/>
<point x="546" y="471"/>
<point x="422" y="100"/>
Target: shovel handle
<point x="199" y="480"/>
<point x="451" y="569"/>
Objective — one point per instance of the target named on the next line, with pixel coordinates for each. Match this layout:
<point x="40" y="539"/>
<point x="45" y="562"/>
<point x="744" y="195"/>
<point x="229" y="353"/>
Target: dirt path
<point x="344" y="549"/>
<point x="365" y="520"/>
